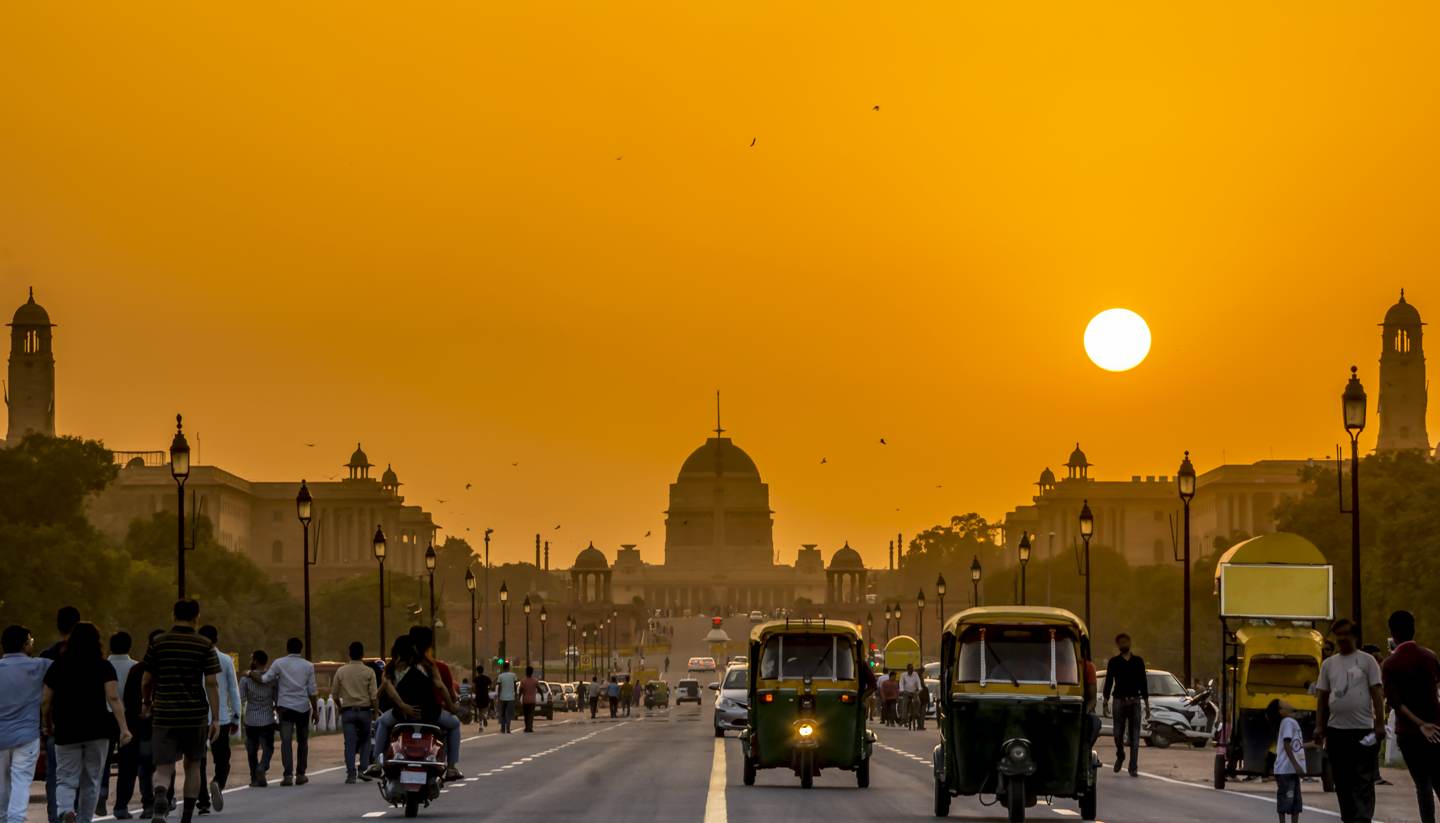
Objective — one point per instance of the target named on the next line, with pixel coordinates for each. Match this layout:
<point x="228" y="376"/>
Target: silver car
<point x="731" y="700"/>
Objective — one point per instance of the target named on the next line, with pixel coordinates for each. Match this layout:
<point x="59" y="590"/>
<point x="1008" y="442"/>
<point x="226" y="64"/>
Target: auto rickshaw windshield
<point x="818" y="656"/>
<point x="1018" y="654"/>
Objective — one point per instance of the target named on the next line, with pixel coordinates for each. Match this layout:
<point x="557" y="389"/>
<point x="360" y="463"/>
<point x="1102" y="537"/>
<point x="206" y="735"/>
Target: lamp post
<point x="614" y="633"/>
<point x="1353" y="405"/>
<point x="920" y="622"/>
<point x="899" y="627"/>
<point x="504" y="618"/>
<point x="470" y="587"/>
<point x="304" y="508"/>
<point x="940" y="592"/>
<point x="1185" y="483"/>
<point x="379" y="547"/>
<point x="485" y="587"/>
<point x="869" y="634"/>
<point x="1087" y="530"/>
<point x="585" y="646"/>
<point x="569" y="642"/>
<point x="887" y="623"/>
<point x="430" y="570"/>
<point x="543" y="618"/>
<point x="525" y="607"/>
<point x="180" y="470"/>
<point x="1024" y="552"/>
<point x="975" y="572"/>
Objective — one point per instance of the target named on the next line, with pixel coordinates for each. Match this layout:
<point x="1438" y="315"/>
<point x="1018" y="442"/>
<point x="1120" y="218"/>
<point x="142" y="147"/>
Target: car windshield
<point x="1163" y="684"/>
<point x="1018" y="654"/>
<point x="797" y="656"/>
<point x="735" y="678"/>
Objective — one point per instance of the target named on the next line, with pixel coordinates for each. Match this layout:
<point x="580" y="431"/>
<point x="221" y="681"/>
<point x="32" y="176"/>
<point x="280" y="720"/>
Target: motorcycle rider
<point x="415" y="689"/>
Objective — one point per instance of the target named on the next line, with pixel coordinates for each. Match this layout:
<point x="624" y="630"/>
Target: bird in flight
<point x="874" y="108"/>
<point x="621" y="157"/>
<point x="647" y="534"/>
<point x="514" y="464"/>
<point x="882" y="442"/>
<point x="310" y="445"/>
<point x="823" y="461"/>
<point x="752" y="142"/>
<point x="438" y="500"/>
<point x="467" y="487"/>
<point x="557" y="525"/>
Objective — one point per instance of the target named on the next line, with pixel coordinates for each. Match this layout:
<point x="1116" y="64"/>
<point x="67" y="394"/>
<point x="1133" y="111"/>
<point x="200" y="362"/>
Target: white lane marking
<point x="373" y="814"/>
<point x="715" y="799"/>
<point x="1270" y="801"/>
<point x="1065" y="812"/>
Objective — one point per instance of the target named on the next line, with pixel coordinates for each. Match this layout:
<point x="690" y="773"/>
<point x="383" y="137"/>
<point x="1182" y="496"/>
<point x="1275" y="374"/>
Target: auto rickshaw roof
<point x="1280" y="548"/>
<point x="804" y="625"/>
<point x="1016" y="615"/>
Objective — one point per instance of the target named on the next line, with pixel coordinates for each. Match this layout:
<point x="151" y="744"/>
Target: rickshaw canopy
<point x="1017" y="616"/>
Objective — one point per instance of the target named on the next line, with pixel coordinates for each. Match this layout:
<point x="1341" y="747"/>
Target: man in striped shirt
<point x="182" y="698"/>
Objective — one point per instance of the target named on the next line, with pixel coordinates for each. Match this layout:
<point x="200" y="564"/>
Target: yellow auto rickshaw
<point x="806" y="709"/>
<point x="1272" y="590"/>
<point x="1012" y="711"/>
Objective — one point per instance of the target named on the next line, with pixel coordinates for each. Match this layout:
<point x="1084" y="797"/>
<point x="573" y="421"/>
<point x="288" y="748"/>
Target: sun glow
<point x="1117" y="340"/>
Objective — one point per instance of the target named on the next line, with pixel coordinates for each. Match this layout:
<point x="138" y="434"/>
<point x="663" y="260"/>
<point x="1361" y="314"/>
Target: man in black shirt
<point x="1125" y="679"/>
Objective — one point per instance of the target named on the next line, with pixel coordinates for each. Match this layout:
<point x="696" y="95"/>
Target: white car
<point x="757" y="617"/>
<point x="701" y="664"/>
<point x="1165" y="690"/>
<point x="732" y="706"/>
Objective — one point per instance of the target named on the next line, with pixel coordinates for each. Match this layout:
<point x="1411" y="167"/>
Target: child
<point x="1289" y="759"/>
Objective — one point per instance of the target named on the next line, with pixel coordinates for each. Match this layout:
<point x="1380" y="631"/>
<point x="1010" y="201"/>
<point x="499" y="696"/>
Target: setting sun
<point x="1117" y="339"/>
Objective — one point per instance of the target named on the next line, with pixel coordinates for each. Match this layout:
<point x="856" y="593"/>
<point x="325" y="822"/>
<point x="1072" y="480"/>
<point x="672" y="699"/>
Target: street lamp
<point x="940" y="591"/>
<point x="430" y="570"/>
<point x="543" y="618"/>
<point x="585" y="644"/>
<point x="1353" y="406"/>
<point x="525" y="607"/>
<point x="1185" y="485"/>
<point x="614" y="633"/>
<point x="180" y="470"/>
<point x="304" y="509"/>
<point x="920" y="621"/>
<point x="485" y="588"/>
<point x="379" y="547"/>
<point x="569" y="642"/>
<point x="504" y="617"/>
<point x="887" y="623"/>
<point x="470" y="587"/>
<point x="975" y="580"/>
<point x="1024" y="552"/>
<point x="1087" y="530"/>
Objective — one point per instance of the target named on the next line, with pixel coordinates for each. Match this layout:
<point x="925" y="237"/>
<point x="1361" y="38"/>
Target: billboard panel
<point x="1276" y="591"/>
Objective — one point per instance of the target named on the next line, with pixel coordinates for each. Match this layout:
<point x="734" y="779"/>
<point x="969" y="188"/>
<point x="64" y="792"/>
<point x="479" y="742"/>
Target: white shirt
<point x="1348" y="678"/>
<point x="122" y="663"/>
<point x="229" y="689"/>
<point x="910" y="682"/>
<point x="295" y="679"/>
<point x="1289" y="728"/>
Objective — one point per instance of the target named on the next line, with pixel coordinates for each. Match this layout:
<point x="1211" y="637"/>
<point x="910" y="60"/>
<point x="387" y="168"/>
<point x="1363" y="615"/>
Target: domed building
<point x="30" y="391"/>
<point x="1402" y="380"/>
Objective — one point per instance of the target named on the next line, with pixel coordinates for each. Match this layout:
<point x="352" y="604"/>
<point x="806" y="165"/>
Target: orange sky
<point x="408" y="225"/>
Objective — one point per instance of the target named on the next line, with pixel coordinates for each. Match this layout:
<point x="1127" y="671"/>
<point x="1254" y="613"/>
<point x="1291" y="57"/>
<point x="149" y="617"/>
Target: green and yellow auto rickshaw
<point x="1012" y="710"/>
<point x="806" y="709"/>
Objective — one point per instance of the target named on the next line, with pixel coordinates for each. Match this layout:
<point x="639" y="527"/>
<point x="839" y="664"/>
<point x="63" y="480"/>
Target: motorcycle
<point x="1191" y="722"/>
<point x="414" y="766"/>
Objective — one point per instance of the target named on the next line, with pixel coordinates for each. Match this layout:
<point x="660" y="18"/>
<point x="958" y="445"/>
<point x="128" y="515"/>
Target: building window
<point x="1402" y="341"/>
<point x="277" y="552"/>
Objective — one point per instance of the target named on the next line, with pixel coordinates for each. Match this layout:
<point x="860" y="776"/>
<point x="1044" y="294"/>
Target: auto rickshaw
<point x="806" y="710"/>
<point x="1272" y="590"/>
<point x="1012" y="710"/>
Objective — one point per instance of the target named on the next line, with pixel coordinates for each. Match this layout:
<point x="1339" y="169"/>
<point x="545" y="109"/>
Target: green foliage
<point x="44" y="480"/>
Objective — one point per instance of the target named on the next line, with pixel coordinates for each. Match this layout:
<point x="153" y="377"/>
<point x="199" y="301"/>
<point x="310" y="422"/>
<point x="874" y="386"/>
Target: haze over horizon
<point x="475" y="238"/>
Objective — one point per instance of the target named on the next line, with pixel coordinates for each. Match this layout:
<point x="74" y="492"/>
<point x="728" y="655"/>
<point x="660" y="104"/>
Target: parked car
<point x="544" y="707"/>
<point x="933" y="686"/>
<point x="687" y="691"/>
<point x="572" y="697"/>
<point x="1165" y="690"/>
<point x="731" y="700"/>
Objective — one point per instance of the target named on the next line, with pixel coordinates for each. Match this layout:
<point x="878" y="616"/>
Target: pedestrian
<point x="65" y="619"/>
<point x="667" y="664"/>
<point x="1411" y="676"/>
<point x="212" y="787"/>
<point x="889" y="696"/>
<point x="1125" y="680"/>
<point x="423" y="638"/>
<point x="182" y="692"/>
<point x="295" y="694"/>
<point x="22" y="688"/>
<point x="1350" y="722"/>
<point x="259" y="699"/>
<point x="627" y="693"/>
<point x="1289" y="759"/>
<point x="79" y="687"/>
<point x="613" y="692"/>
<point x="506" y="684"/>
<point x="482" y="696"/>
<point x="136" y="761"/>
<point x="529" y="692"/>
<point x="120" y="644"/>
<point x="356" y="694"/>
<point x="593" y="694"/>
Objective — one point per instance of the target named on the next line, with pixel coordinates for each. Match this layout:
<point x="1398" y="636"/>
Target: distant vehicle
<point x="738" y="660"/>
<point x="687" y="691"/>
<point x="544" y="701"/>
<point x="1165" y="690"/>
<point x="933" y="686"/>
<point x="732" y="702"/>
<point x="757" y="616"/>
<point x="572" y="697"/>
<point x="702" y="664"/>
<point x="563" y="702"/>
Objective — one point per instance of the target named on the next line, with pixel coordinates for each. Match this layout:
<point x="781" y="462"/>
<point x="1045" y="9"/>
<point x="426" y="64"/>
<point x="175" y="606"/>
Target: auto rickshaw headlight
<point x="806" y="730"/>
<point x="1019" y="752"/>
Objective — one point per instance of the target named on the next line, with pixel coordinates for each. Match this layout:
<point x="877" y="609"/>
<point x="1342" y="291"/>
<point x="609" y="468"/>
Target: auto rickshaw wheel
<point x="1015" y="799"/>
<point x="862" y="774"/>
<point x="942" y="800"/>
<point x="1220" y="770"/>
<point x="807" y="770"/>
<point x="749" y="771"/>
<point x="1087" y="804"/>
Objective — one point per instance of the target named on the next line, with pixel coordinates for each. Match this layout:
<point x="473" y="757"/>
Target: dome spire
<point x="719" y="429"/>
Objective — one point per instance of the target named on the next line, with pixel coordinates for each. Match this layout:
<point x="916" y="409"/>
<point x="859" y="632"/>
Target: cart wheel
<point x="1160" y="737"/>
<point x="749" y="771"/>
<point x="862" y="774"/>
<point x="1087" y="804"/>
<point x="942" y="800"/>
<point x="1327" y="778"/>
<point x="1015" y="799"/>
<point x="1219" y="771"/>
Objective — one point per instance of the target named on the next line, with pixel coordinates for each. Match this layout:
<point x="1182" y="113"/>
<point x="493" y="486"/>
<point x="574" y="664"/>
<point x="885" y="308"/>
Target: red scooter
<point x="414" y="766"/>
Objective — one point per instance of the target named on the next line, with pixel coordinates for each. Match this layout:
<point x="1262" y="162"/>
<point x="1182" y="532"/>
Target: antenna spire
<point x="719" y="430"/>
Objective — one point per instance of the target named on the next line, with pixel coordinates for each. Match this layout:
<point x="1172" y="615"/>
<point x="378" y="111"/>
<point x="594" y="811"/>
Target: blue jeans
<point x="355" y="725"/>
<point x="77" y="779"/>
<point x="17" y="770"/>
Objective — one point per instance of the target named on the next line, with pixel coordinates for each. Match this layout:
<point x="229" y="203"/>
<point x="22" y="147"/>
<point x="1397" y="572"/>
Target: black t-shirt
<point x="77" y="707"/>
<point x="482" y="690"/>
<point x="418" y="691"/>
<point x="131" y="697"/>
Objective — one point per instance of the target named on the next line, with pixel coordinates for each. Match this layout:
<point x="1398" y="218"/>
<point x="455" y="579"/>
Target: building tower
<point x="1402" y="380"/>
<point x="30" y="392"/>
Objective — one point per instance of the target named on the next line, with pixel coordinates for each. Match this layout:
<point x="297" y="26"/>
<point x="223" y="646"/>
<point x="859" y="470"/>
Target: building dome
<point x="358" y="459"/>
<point x="389" y="478"/>
<point x="31" y="313"/>
<point x="719" y="456"/>
<point x="1077" y="457"/>
<point x="1400" y="314"/>
<point x="846" y="558"/>
<point x="1047" y="477"/>
<point x="590" y="558"/>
